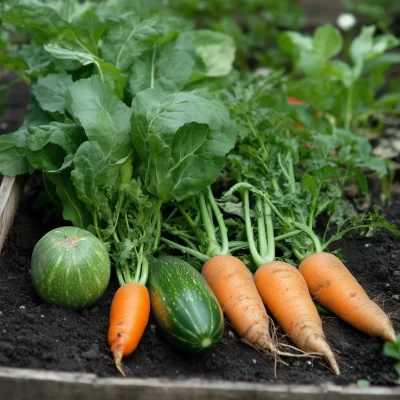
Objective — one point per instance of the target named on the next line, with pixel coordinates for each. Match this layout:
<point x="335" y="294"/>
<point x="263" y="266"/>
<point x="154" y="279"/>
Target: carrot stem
<point x="262" y="234"/>
<point x="270" y="256"/>
<point x="249" y="231"/>
<point x="187" y="217"/>
<point x="220" y="220"/>
<point x="213" y="246"/>
<point x="200" y="256"/>
<point x="145" y="271"/>
<point x="287" y="235"/>
<point x="121" y="280"/>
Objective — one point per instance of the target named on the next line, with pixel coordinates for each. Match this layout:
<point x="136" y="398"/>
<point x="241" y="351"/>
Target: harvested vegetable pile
<point x="151" y="140"/>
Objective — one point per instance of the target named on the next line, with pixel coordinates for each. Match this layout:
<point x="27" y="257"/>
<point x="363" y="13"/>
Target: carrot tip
<point x="118" y="362"/>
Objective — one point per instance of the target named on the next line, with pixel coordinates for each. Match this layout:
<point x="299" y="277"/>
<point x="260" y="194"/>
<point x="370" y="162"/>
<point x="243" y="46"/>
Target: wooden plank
<point x="26" y="384"/>
<point x="10" y="192"/>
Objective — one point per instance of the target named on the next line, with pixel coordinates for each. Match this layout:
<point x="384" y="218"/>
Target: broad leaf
<point x="327" y="41"/>
<point x="73" y="209"/>
<point x="167" y="67"/>
<point x="129" y="39"/>
<point x="165" y="145"/>
<point x="67" y="136"/>
<point x="104" y="117"/>
<point x="51" y="91"/>
<point x="108" y="73"/>
<point x="13" y="148"/>
<point x="215" y="51"/>
<point x="89" y="176"/>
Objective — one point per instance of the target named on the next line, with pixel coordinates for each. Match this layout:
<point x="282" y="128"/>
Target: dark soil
<point x="36" y="335"/>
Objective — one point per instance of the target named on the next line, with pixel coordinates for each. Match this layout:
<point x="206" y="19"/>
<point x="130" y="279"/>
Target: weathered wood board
<point x="26" y="384"/>
<point x="10" y="192"/>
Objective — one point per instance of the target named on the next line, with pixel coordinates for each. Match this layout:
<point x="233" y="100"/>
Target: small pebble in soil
<point x="254" y="361"/>
<point x="308" y="362"/>
<point x="367" y="245"/>
<point x="22" y="307"/>
<point x="92" y="354"/>
<point x="231" y="334"/>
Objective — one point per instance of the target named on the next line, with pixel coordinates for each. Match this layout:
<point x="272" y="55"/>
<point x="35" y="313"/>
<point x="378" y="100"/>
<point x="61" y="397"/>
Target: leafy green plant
<point x="346" y="89"/>
<point x="393" y="350"/>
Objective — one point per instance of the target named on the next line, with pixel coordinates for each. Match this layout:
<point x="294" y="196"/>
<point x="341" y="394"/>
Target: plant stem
<point x="145" y="271"/>
<point x="249" y="231"/>
<point x="213" y="246"/>
<point x="156" y="213"/>
<point x="262" y="234"/>
<point x="221" y="223"/>
<point x="311" y="234"/>
<point x="120" y="277"/>
<point x="260" y="141"/>
<point x="96" y="225"/>
<point x="200" y="256"/>
<point x="349" y="104"/>
<point x="314" y="203"/>
<point x="270" y="256"/>
<point x="158" y="232"/>
<point x="189" y="220"/>
<point x="287" y="235"/>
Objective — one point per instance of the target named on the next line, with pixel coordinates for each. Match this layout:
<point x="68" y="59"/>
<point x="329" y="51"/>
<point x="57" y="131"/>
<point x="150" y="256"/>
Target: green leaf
<point x="391" y="349"/>
<point x="215" y="51"/>
<point x="51" y="91"/>
<point x="108" y="73"/>
<point x="129" y="39"/>
<point x="342" y="71"/>
<point x="13" y="149"/>
<point x="67" y="136"/>
<point x="104" y="117"/>
<point x="89" y="176"/>
<point x="36" y="57"/>
<point x="165" y="151"/>
<point x="327" y="41"/>
<point x="363" y="383"/>
<point x="361" y="46"/>
<point x="73" y="209"/>
<point x="167" y="67"/>
<point x="294" y="43"/>
<point x="45" y="23"/>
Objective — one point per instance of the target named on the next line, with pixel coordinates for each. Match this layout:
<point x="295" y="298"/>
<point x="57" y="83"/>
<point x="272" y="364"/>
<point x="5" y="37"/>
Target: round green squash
<point x="70" y="268"/>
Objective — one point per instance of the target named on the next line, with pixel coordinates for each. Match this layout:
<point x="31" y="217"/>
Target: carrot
<point x="129" y="314"/>
<point x="234" y="287"/>
<point x="332" y="284"/>
<point x="285" y="294"/>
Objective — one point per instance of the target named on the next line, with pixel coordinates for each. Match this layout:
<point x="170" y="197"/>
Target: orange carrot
<point x="332" y="284"/>
<point x="130" y="311"/>
<point x="285" y="294"/>
<point x="234" y="287"/>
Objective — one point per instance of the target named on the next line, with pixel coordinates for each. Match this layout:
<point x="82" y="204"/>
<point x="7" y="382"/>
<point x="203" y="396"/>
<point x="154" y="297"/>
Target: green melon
<point x="70" y="268"/>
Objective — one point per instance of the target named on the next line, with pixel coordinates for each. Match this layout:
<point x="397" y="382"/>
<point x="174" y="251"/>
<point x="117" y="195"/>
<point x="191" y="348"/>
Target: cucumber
<point x="183" y="305"/>
<point x="70" y="268"/>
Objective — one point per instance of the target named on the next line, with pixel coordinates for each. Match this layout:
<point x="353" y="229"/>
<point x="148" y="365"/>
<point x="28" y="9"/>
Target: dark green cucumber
<point x="183" y="305"/>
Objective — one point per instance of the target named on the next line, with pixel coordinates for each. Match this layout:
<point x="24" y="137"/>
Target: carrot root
<point x="129" y="315"/>
<point x="233" y="285"/>
<point x="285" y="294"/>
<point x="332" y="284"/>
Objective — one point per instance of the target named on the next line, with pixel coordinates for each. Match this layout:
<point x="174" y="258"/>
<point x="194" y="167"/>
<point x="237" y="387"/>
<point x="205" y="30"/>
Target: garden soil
<point x="40" y="336"/>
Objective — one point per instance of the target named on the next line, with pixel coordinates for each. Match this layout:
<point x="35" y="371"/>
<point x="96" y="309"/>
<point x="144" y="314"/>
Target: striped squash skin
<point x="70" y="268"/>
<point x="183" y="305"/>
